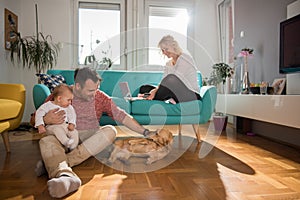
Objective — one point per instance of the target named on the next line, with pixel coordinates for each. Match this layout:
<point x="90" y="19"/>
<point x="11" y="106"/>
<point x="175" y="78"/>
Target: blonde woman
<point x="180" y="82"/>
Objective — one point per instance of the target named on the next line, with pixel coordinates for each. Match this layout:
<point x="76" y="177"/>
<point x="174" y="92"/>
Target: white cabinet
<point x="278" y="109"/>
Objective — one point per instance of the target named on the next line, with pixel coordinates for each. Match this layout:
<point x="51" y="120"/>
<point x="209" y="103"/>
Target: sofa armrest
<point x="40" y="93"/>
<point x="209" y="99"/>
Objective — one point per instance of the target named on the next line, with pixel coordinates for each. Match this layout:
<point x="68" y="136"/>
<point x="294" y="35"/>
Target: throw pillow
<point x="48" y="81"/>
<point x="58" y="78"/>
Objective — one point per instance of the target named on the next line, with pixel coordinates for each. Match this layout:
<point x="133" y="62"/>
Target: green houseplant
<point x="220" y="73"/>
<point x="38" y="51"/>
<point x="105" y="62"/>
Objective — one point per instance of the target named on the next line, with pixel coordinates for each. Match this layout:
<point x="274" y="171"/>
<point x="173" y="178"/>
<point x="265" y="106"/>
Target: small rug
<point x="25" y="132"/>
<point x="16" y="136"/>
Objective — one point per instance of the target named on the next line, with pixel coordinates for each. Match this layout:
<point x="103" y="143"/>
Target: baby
<point x="65" y="132"/>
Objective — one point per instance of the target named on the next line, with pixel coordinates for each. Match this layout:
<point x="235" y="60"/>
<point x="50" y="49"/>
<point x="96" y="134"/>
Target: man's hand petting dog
<point x="155" y="146"/>
<point x="151" y="134"/>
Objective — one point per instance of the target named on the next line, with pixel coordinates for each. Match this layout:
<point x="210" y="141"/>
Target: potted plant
<point x="104" y="62"/>
<point x="221" y="71"/>
<point x="38" y="51"/>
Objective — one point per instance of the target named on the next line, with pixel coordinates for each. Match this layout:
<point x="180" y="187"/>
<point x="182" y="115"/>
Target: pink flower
<point x="246" y="52"/>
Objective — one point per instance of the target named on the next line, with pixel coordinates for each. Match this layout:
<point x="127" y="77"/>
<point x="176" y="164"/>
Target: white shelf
<point x="277" y="109"/>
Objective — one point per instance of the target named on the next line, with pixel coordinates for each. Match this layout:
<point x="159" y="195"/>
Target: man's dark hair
<point x="81" y="75"/>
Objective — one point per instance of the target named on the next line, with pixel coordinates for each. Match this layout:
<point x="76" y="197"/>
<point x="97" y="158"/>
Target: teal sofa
<point x="144" y="111"/>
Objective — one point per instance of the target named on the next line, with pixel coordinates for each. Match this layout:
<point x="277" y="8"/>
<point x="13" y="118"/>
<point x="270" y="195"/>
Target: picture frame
<point x="11" y="27"/>
<point x="279" y="85"/>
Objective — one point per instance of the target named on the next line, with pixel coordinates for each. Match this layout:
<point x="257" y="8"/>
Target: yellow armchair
<point x="12" y="104"/>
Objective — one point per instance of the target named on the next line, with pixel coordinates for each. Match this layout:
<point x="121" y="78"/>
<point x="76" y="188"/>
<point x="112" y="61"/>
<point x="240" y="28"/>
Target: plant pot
<point x="220" y="122"/>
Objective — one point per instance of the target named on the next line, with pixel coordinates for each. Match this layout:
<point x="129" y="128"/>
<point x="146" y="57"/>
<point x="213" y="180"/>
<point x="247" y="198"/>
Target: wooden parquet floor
<point x="229" y="166"/>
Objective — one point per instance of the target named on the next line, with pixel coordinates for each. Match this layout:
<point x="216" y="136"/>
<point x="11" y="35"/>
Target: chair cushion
<point x="9" y="109"/>
<point x="154" y="107"/>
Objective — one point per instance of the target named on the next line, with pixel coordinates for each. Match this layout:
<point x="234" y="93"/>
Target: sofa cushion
<point x="154" y="107"/>
<point x="9" y="109"/>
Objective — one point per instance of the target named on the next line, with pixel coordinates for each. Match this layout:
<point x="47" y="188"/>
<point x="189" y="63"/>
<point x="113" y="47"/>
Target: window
<point x="105" y="29"/>
<point x="99" y="31"/>
<point x="163" y="21"/>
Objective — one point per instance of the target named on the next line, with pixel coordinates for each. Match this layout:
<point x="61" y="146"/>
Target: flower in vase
<point x="245" y="52"/>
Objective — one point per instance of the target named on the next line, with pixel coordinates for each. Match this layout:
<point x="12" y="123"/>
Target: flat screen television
<point x="289" y="61"/>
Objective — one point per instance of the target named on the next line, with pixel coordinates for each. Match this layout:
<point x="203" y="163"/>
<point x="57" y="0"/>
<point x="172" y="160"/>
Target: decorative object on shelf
<point x="246" y="83"/>
<point x="221" y="74"/>
<point x="261" y="88"/>
<point x="37" y="51"/>
<point x="279" y="86"/>
<point x="245" y="53"/>
<point x="220" y="121"/>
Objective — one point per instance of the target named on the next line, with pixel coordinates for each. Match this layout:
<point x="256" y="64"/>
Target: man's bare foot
<point x="63" y="185"/>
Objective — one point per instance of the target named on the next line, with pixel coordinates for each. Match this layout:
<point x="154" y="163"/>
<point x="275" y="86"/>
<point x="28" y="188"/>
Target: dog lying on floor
<point x="155" y="147"/>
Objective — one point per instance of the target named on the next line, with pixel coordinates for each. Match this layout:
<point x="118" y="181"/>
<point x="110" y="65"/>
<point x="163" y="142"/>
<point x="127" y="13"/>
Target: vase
<point x="220" y="88"/>
<point x="245" y="83"/>
<point x="228" y="86"/>
<point x="245" y="80"/>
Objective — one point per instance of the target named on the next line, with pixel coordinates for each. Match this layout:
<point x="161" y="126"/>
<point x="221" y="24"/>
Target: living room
<point x="258" y="21"/>
<point x="253" y="20"/>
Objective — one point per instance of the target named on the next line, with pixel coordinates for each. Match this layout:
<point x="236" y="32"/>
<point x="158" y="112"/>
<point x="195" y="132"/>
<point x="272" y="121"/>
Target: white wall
<point x="56" y="19"/>
<point x="10" y="73"/>
<point x="206" y="50"/>
<point x="281" y="133"/>
<point x="260" y="22"/>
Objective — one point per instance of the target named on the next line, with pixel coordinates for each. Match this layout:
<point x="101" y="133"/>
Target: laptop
<point x="126" y="91"/>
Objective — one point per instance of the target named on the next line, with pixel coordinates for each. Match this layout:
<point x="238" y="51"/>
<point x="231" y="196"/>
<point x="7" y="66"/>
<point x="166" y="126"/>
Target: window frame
<point x="226" y="41"/>
<point x="189" y="5"/>
<point x="75" y="23"/>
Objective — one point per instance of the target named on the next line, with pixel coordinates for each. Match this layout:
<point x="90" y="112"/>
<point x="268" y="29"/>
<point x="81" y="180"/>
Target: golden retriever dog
<point x="155" y="147"/>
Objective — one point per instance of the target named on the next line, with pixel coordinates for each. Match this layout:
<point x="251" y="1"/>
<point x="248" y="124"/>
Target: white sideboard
<point x="278" y="109"/>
